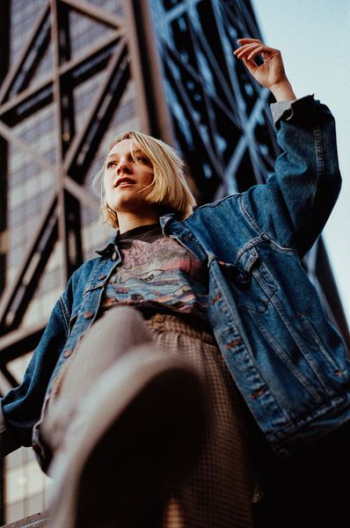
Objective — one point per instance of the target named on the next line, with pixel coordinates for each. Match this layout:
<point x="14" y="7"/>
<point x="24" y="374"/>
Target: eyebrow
<point x="137" y="151"/>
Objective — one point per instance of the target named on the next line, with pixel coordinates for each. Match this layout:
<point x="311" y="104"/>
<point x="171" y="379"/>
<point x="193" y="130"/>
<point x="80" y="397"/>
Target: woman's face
<point x="127" y="178"/>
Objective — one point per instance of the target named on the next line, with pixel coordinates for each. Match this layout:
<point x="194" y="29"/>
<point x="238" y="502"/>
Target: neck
<point x="129" y="221"/>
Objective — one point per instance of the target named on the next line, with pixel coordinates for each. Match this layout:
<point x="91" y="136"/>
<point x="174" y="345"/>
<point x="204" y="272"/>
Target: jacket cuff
<point x="7" y="441"/>
<point x="286" y="109"/>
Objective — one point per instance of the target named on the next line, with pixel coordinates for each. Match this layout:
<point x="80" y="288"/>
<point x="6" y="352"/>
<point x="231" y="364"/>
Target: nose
<point x="123" y="167"/>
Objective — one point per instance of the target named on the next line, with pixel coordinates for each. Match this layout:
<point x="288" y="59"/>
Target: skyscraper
<point x="74" y="74"/>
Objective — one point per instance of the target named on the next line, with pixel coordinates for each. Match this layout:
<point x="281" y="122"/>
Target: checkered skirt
<point x="218" y="492"/>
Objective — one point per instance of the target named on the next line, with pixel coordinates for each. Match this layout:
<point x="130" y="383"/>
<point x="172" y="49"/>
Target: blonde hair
<point x="170" y="188"/>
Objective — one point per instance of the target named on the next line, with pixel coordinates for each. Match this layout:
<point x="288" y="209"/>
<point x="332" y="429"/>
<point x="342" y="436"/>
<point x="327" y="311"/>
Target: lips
<point x="124" y="181"/>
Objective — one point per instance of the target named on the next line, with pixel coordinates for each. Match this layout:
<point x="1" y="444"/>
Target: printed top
<point x="157" y="274"/>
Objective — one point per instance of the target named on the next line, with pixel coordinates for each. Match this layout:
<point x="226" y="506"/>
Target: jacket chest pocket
<point x="251" y="282"/>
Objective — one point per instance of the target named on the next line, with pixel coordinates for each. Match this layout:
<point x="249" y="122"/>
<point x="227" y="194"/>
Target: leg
<point x="130" y="435"/>
<point x="109" y="339"/>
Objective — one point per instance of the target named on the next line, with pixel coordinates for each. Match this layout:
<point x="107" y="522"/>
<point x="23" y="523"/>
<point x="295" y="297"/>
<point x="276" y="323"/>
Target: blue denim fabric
<point x="287" y="359"/>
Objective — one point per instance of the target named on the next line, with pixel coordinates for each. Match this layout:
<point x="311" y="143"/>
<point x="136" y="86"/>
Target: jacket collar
<point x="109" y="247"/>
<point x="165" y="222"/>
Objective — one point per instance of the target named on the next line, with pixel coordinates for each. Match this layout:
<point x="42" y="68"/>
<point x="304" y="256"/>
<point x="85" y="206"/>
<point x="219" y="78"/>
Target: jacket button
<point x="68" y="352"/>
<point x="114" y="256"/>
<point x="88" y="314"/>
<point x="102" y="276"/>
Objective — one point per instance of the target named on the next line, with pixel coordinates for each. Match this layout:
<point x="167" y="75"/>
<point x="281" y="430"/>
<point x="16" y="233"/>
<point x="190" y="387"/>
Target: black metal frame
<point x="191" y="93"/>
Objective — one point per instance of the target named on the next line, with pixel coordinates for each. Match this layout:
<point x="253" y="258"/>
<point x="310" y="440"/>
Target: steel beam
<point x="15" y="300"/>
<point x="80" y="154"/>
<point x="17" y="68"/>
<point x="64" y="114"/>
<point x="79" y="70"/>
<point x="95" y="13"/>
<point x="147" y="73"/>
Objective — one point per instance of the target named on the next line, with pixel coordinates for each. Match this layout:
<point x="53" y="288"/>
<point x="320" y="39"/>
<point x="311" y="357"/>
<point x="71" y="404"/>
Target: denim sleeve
<point x="297" y="199"/>
<point x="21" y="407"/>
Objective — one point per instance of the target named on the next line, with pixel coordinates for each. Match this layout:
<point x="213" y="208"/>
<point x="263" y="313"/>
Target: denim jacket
<point x="283" y="353"/>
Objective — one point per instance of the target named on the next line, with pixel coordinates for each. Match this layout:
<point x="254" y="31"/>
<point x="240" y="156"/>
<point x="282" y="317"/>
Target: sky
<point x="314" y="38"/>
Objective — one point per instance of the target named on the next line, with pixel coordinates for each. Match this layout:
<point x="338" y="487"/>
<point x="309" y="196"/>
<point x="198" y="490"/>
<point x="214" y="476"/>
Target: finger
<point x="246" y="39"/>
<point x="248" y="48"/>
<point x="265" y="51"/>
<point x="252" y="50"/>
<point x="255" y="52"/>
<point x="251" y="66"/>
<point x="243" y="49"/>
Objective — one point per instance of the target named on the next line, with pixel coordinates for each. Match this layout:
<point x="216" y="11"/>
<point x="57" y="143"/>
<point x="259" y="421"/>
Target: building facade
<point x="74" y="74"/>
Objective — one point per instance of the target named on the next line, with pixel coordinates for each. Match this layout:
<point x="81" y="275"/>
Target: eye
<point x="142" y="159"/>
<point x="111" y="164"/>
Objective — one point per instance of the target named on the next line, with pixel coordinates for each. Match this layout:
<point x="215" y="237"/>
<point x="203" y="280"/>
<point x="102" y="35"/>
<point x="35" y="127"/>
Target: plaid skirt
<point x="218" y="492"/>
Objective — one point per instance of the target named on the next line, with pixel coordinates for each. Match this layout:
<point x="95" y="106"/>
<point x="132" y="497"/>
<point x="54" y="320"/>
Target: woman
<point x="222" y="294"/>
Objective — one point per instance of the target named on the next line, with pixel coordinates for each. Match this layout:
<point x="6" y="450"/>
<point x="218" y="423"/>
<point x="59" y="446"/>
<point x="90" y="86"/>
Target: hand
<point x="270" y="73"/>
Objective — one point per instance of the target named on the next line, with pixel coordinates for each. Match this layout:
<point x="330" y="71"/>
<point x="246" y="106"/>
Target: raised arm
<point x="295" y="203"/>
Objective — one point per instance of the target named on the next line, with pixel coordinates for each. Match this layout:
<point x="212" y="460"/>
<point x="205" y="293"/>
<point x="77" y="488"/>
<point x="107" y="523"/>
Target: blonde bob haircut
<point x="169" y="187"/>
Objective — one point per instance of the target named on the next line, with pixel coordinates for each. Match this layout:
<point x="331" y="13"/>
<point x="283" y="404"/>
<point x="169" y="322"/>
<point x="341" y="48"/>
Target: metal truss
<point x="220" y="115"/>
<point x="19" y="99"/>
<point x="190" y="91"/>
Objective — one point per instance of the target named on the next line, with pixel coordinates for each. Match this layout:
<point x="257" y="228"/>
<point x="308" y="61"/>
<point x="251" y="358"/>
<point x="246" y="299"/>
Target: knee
<point x="125" y="321"/>
<point x="123" y="315"/>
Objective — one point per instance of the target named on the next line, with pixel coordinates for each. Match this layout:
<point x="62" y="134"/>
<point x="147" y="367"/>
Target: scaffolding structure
<point x="163" y="66"/>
